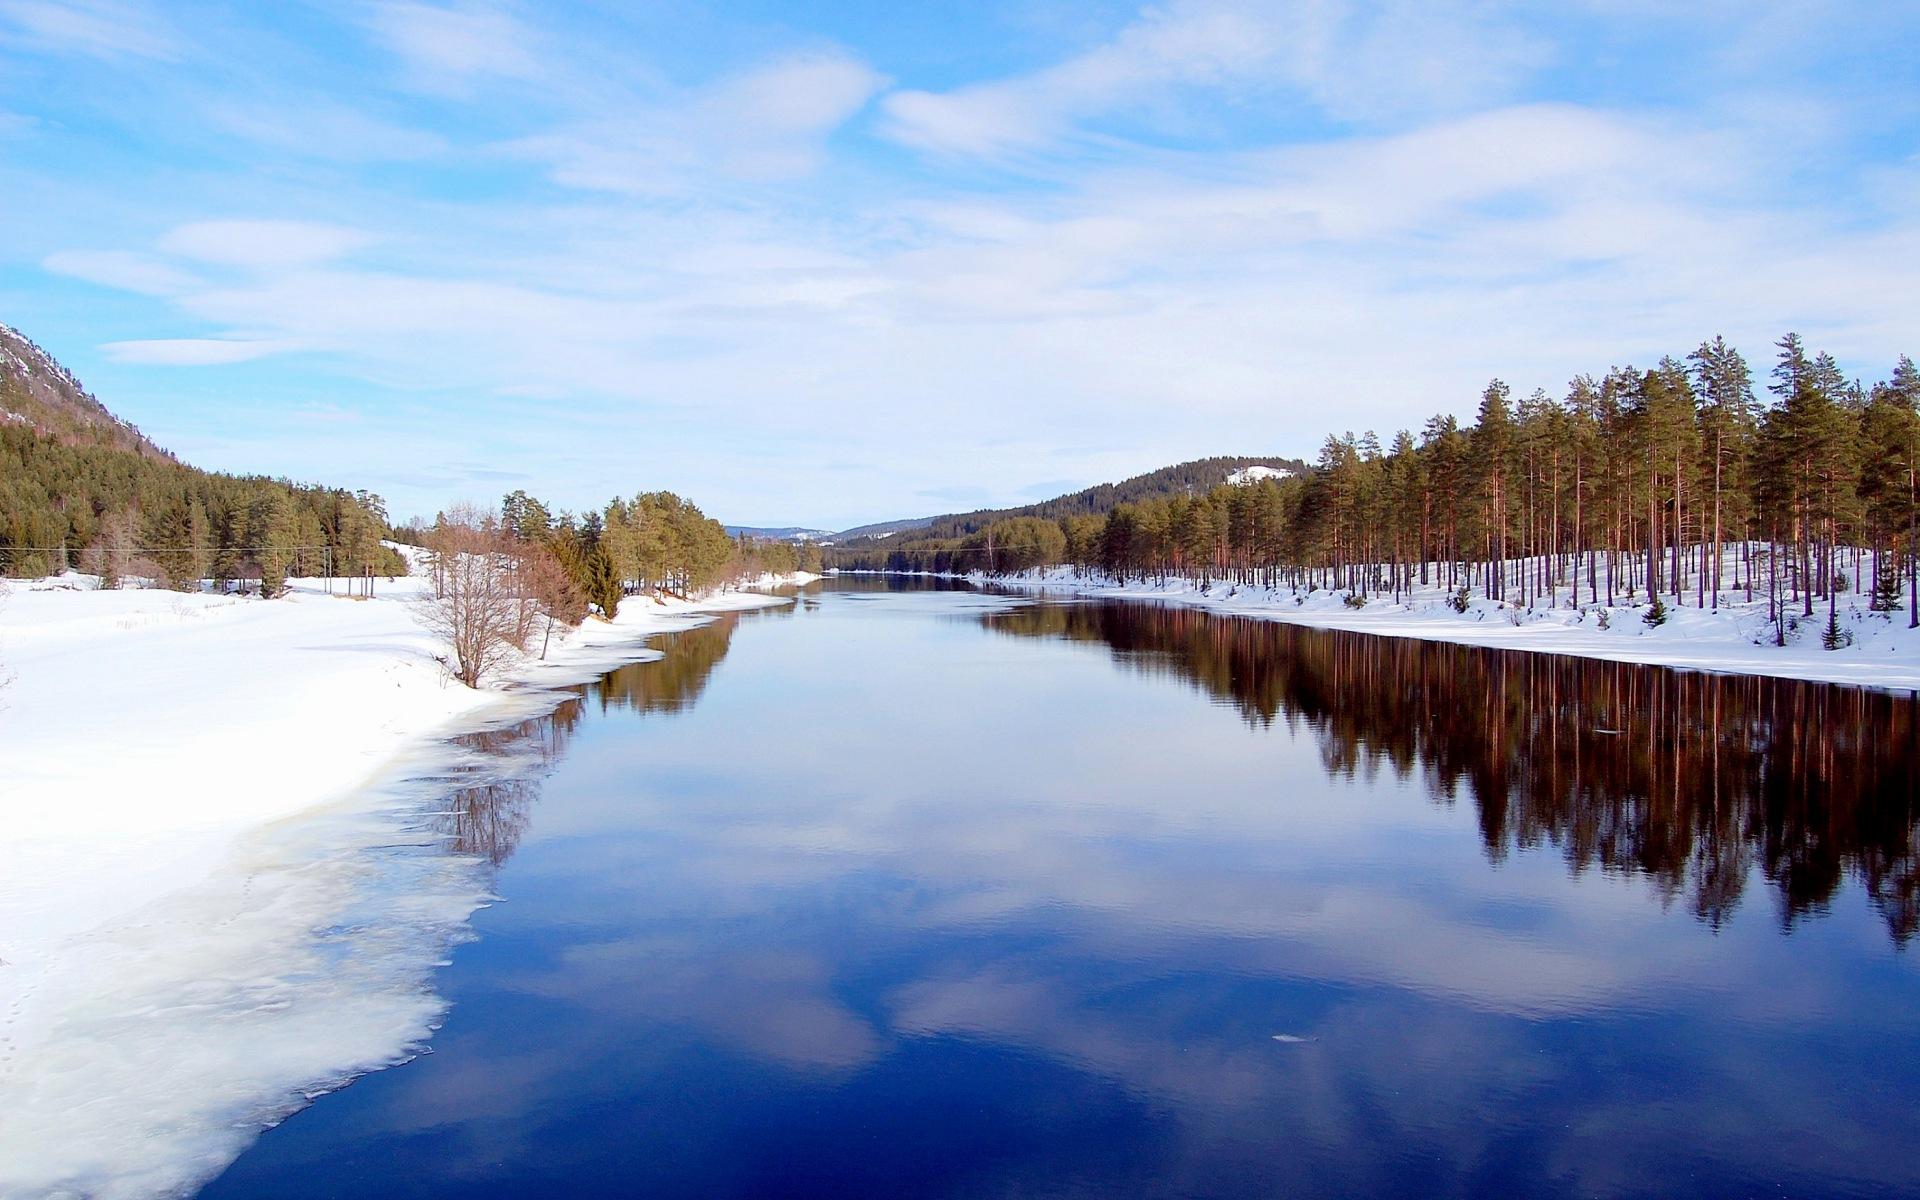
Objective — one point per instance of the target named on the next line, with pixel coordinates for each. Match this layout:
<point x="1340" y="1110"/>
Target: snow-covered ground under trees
<point x="1883" y="652"/>
<point x="193" y="933"/>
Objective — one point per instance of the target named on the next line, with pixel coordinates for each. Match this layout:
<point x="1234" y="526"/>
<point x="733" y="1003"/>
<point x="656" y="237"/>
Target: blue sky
<point x="832" y="263"/>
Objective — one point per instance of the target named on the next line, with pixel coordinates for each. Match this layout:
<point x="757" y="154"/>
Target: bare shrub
<point x="111" y="554"/>
<point x="490" y="594"/>
<point x="148" y="571"/>
<point x="473" y="604"/>
<point x="557" y="599"/>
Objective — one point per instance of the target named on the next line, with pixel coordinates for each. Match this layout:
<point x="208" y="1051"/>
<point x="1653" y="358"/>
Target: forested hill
<point x="1182" y="479"/>
<point x="79" y="487"/>
<point x="40" y="394"/>
<point x="1670" y="484"/>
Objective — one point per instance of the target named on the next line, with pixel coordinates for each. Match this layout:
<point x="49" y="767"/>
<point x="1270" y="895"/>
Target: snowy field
<point x="1884" y="652"/>
<point x="195" y="930"/>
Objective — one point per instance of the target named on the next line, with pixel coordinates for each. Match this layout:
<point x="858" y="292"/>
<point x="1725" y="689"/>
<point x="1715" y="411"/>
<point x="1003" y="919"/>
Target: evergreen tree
<point x="603" y="588"/>
<point x="1493" y="440"/>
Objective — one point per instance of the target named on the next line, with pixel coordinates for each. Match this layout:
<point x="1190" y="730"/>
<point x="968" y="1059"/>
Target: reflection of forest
<point x="488" y="818"/>
<point x="674" y="683"/>
<point x="1689" y="779"/>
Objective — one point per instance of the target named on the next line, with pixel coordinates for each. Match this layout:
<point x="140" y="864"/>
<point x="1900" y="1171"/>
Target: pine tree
<point x="1890" y="442"/>
<point x="1493" y="441"/>
<point x="1834" y="637"/>
<point x="1728" y="424"/>
<point x="603" y="581"/>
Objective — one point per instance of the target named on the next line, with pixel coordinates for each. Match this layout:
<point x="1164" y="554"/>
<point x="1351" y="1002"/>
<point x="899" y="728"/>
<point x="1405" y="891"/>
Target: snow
<point x="1254" y="474"/>
<point x="1737" y="638"/>
<point x="193" y="931"/>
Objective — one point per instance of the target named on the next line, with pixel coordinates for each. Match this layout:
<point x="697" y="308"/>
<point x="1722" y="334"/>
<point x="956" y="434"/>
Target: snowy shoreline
<point x="1884" y="653"/>
<point x="193" y="784"/>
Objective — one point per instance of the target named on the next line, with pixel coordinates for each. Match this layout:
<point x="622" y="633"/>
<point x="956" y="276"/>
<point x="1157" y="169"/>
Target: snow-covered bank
<point x="192" y="926"/>
<point x="1883" y="653"/>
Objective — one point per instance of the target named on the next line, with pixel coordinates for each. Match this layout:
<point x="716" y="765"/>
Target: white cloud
<point x="1142" y="317"/>
<point x="1353" y="60"/>
<point x="1193" y="44"/>
<point x="317" y="128"/>
<point x="262" y="244"/>
<point x="120" y="269"/>
<point x="767" y="123"/>
<point x="447" y="46"/>
<point x="193" y="352"/>
<point x="109" y="29"/>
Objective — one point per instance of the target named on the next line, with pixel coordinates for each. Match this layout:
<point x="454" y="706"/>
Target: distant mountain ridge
<point x="1193" y="478"/>
<point x="36" y="391"/>
<point x="782" y="533"/>
<point x="883" y="529"/>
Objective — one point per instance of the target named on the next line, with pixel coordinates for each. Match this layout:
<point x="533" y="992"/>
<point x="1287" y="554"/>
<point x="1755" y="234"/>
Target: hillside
<point x="884" y="529"/>
<point x="1187" y="478"/>
<point x="81" y="487"/>
<point x="782" y="533"/>
<point x="40" y="394"/>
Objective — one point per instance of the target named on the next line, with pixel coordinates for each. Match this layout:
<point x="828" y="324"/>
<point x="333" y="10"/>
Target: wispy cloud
<point x="447" y="47"/>
<point x="262" y="244"/>
<point x="1352" y="60"/>
<point x="110" y="29"/>
<point x="316" y="127"/>
<point x="192" y="352"/>
<point x="767" y="123"/>
<point x="124" y="270"/>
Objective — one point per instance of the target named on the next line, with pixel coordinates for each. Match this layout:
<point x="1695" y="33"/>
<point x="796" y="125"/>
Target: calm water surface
<point x="934" y="893"/>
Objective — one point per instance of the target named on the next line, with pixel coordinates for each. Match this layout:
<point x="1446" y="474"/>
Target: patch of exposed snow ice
<point x="164" y="1041"/>
<point x="207" y="911"/>
<point x="1257" y="472"/>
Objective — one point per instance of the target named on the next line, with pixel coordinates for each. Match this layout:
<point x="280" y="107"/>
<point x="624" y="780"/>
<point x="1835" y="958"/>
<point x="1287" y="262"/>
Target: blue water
<point x="935" y="893"/>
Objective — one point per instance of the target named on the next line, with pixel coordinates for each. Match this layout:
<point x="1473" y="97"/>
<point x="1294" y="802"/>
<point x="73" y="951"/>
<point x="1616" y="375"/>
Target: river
<point x="910" y="891"/>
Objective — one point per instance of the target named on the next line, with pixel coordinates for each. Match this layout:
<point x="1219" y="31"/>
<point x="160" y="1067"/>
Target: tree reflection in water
<point x="488" y="817"/>
<point x="1690" y="779"/>
<point x="674" y="683"/>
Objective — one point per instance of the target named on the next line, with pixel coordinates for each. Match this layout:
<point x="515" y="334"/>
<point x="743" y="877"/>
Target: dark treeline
<point x="1688" y="779"/>
<point x="1673" y="485"/>
<point x="123" y="513"/>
